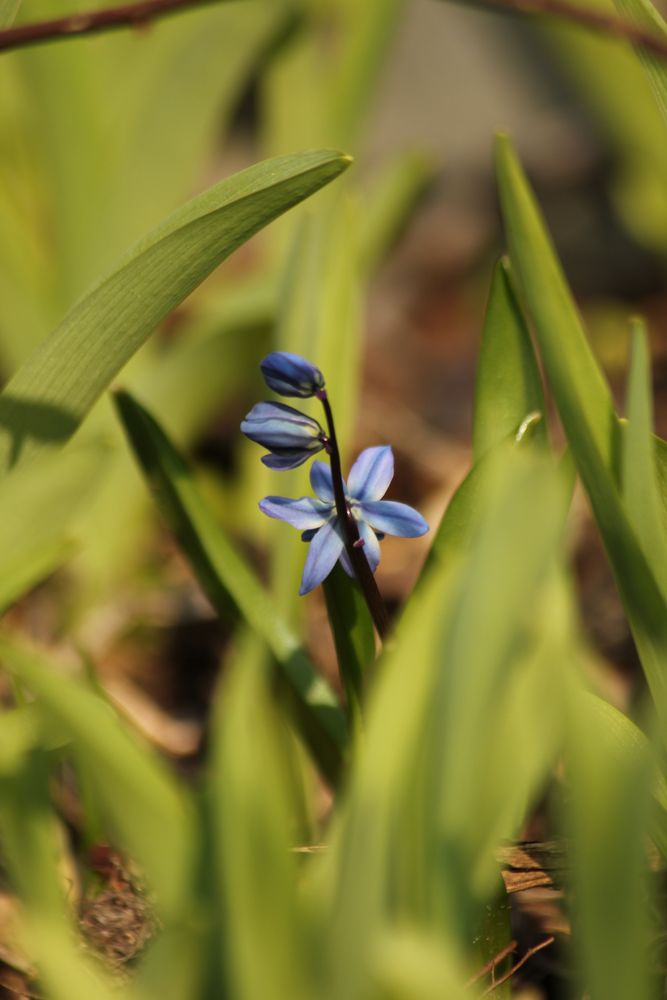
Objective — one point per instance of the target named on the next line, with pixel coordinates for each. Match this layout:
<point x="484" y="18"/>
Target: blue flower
<point x="290" y="436"/>
<point x="291" y="375"/>
<point x="316" y="516"/>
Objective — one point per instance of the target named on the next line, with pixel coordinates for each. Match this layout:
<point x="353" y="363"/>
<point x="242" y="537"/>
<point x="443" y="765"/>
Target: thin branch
<point x="595" y="20"/>
<point x="493" y="963"/>
<point x="112" y="19"/>
<point x="522" y="961"/>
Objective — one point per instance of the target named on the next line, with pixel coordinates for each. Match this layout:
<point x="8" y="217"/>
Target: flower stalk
<point x="353" y="540"/>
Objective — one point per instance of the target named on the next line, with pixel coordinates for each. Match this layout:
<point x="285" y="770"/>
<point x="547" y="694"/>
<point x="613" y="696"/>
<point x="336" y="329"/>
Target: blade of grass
<point x="640" y="485"/>
<point x="586" y="411"/>
<point x="252" y="810"/>
<point x="611" y="895"/>
<point x="508" y="385"/>
<point x="53" y="391"/>
<point x="231" y="585"/>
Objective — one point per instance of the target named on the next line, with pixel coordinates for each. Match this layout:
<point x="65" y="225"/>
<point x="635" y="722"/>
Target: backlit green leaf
<point x="52" y="392"/>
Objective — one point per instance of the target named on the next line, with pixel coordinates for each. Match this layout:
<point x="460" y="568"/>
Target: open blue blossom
<point x="290" y="436"/>
<point x="316" y="516"/>
<point x="291" y="375"/>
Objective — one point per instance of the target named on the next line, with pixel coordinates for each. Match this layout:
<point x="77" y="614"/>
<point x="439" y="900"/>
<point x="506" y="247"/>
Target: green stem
<point x="353" y="542"/>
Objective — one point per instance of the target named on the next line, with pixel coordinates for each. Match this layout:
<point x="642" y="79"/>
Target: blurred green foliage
<point x="481" y="701"/>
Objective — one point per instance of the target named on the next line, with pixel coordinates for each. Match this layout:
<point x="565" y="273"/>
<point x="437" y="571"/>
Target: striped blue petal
<point x="323" y="552"/>
<point x="393" y="518"/>
<point x="321" y="481"/>
<point x="283" y="459"/>
<point x="304" y="513"/>
<point x="371" y="547"/>
<point x="371" y="473"/>
<point x="344" y="560"/>
<point x="276" y="425"/>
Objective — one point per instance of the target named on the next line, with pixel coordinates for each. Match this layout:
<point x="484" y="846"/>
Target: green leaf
<point x="611" y="890"/>
<point x="231" y="585"/>
<point x="462" y="728"/>
<point x="642" y="497"/>
<point x="146" y="808"/>
<point x="53" y="391"/>
<point x="508" y="386"/>
<point x="353" y="632"/>
<point x="587" y="414"/>
<point x="643" y="13"/>
<point x="37" y="505"/>
<point x="252" y="810"/>
<point x="579" y="385"/>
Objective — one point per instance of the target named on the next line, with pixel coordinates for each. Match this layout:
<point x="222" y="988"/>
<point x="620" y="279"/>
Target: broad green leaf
<point x="508" y="386"/>
<point x="640" y="485"/>
<point x="37" y="505"/>
<point x="643" y="13"/>
<point x="54" y="390"/>
<point x="143" y="804"/>
<point x="230" y="583"/>
<point x="353" y="633"/>
<point x="252" y="810"/>
<point x="586" y="411"/>
<point x="568" y="359"/>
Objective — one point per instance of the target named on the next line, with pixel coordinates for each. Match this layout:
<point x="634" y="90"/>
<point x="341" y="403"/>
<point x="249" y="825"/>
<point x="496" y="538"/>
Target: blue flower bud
<point x="290" y="436"/>
<point x="291" y="375"/>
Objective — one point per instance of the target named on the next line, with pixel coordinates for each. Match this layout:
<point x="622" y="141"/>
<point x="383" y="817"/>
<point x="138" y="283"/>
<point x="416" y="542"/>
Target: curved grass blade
<point x="52" y="392"/>
<point x="230" y="584"/>
<point x="640" y="484"/>
<point x="508" y="385"/>
<point x="252" y="815"/>
<point x="146" y="808"/>
<point x="587" y="414"/>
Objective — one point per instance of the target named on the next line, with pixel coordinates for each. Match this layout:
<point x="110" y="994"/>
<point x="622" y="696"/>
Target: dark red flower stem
<point x="353" y="542"/>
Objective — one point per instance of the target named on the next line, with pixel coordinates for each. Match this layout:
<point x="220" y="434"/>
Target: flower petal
<point x="344" y="560"/>
<point x="324" y="550"/>
<point x="371" y="473"/>
<point x="288" y="458"/>
<point x="291" y="375"/>
<point x="276" y="425"/>
<point x="393" y="518"/>
<point x="303" y="513"/>
<point x="371" y="547"/>
<point x="320" y="480"/>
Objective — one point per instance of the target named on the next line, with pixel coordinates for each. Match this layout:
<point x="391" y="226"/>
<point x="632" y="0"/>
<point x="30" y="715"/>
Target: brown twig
<point x="95" y="21"/>
<point x="594" y="20"/>
<point x="132" y="15"/>
<point x="493" y="963"/>
<point x="522" y="961"/>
